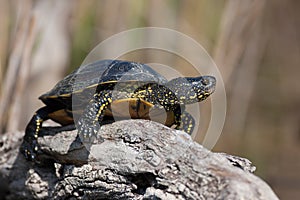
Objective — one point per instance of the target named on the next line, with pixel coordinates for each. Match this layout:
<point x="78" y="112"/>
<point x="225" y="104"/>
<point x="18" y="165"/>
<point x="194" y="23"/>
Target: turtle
<point x="116" y="89"/>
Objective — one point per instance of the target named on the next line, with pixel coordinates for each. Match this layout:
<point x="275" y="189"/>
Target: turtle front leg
<point x="30" y="146"/>
<point x="89" y="122"/>
<point x="186" y="123"/>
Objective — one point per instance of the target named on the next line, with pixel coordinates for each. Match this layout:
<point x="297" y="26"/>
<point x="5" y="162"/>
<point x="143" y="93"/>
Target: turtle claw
<point x="87" y="131"/>
<point x="29" y="149"/>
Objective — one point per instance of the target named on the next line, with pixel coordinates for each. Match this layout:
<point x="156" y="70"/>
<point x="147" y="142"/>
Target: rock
<point x="132" y="159"/>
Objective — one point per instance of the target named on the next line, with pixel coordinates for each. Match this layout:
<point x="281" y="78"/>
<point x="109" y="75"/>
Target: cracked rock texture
<point x="132" y="159"/>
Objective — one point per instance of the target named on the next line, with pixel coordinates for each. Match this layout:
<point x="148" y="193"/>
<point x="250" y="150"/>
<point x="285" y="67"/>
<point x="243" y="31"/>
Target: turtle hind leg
<point x="187" y="123"/>
<point x="30" y="146"/>
<point x="90" y="120"/>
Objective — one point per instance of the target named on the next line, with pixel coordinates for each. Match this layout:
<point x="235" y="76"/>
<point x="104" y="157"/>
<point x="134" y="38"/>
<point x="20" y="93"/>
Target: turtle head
<point x="192" y="89"/>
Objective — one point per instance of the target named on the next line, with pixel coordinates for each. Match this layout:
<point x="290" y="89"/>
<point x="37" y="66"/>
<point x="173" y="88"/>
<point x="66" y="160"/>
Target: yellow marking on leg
<point x="38" y="123"/>
<point x="107" y="101"/>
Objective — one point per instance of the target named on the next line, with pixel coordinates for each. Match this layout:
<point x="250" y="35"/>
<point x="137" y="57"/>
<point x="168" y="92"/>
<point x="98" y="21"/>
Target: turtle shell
<point x="102" y="72"/>
<point x="72" y="93"/>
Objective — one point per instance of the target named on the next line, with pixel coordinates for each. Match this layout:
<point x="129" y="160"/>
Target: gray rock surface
<point x="132" y="159"/>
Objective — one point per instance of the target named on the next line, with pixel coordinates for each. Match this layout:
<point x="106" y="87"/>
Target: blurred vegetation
<point x="254" y="43"/>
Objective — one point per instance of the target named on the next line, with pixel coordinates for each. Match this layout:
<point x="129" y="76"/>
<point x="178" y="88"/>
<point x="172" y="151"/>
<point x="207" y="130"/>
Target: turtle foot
<point x="30" y="149"/>
<point x="87" y="131"/>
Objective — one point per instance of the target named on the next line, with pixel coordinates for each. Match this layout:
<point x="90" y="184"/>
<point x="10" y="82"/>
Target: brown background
<point x="255" y="44"/>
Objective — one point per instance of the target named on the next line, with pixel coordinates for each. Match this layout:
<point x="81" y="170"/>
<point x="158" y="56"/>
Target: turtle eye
<point x="205" y="82"/>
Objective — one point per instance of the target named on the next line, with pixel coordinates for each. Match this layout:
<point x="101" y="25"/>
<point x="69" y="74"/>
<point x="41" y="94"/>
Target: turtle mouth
<point x="208" y="84"/>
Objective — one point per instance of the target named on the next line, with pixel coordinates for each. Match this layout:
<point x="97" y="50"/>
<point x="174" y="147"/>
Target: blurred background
<point x="255" y="44"/>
